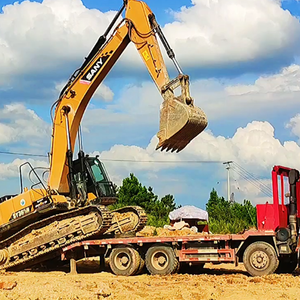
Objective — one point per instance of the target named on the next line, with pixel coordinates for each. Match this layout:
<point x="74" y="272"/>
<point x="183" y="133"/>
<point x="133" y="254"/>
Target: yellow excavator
<point x="73" y="205"/>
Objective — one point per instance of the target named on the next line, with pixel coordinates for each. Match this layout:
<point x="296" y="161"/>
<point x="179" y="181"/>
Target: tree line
<point x="133" y="193"/>
<point x="224" y="217"/>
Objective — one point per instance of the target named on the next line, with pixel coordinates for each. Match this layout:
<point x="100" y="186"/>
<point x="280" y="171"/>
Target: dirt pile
<point x="149" y="231"/>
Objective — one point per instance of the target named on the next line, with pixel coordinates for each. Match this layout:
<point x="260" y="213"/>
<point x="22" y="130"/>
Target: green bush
<point x="157" y="222"/>
<point x="226" y="217"/>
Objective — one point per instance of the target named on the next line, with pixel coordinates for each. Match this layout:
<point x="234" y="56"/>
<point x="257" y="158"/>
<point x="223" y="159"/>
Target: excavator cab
<point x="91" y="178"/>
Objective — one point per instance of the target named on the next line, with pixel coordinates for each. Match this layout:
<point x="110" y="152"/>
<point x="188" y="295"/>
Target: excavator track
<point x="129" y="220"/>
<point x="53" y="233"/>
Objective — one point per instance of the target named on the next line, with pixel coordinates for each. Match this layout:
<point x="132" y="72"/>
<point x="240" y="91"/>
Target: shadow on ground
<point x="92" y="265"/>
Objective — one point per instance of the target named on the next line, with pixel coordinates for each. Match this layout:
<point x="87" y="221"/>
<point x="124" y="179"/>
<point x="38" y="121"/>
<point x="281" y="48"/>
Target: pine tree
<point x="226" y="217"/>
<point x="133" y="193"/>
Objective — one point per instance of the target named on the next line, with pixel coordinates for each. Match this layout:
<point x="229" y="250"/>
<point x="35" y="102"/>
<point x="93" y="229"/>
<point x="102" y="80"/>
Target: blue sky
<point x="292" y="6"/>
<point x="243" y="61"/>
<point x="161" y="7"/>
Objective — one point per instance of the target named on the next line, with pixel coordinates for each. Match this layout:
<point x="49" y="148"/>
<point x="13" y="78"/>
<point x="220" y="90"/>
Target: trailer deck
<point x="194" y="249"/>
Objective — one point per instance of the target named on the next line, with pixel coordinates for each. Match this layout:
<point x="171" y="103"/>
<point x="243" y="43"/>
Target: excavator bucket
<point x="179" y="124"/>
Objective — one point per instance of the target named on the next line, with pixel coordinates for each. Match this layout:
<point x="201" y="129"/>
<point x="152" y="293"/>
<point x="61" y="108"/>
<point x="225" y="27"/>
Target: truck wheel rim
<point x="259" y="260"/>
<point x="159" y="260"/>
<point x="122" y="261"/>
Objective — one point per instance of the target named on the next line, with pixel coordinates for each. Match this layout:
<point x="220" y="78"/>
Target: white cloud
<point x="10" y="170"/>
<point x="52" y="35"/>
<point x="255" y="189"/>
<point x="287" y="81"/>
<point x="19" y="124"/>
<point x="294" y="124"/>
<point x="136" y="105"/>
<point x="215" y="32"/>
<point x="266" y="96"/>
<point x="254" y="147"/>
<point x="145" y="158"/>
<point x="40" y="37"/>
<point x="104" y="93"/>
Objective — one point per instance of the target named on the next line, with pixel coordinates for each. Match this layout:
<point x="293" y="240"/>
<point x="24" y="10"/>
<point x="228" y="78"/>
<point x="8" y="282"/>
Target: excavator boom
<point x="38" y="222"/>
<point x="180" y="120"/>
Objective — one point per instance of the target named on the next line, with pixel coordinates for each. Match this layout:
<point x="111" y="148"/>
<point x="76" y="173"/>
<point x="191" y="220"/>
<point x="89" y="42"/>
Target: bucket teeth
<point x="179" y="124"/>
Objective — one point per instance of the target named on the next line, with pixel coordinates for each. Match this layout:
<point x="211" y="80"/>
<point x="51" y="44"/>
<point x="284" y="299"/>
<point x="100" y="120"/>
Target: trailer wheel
<point x="124" y="261"/>
<point x="177" y="269"/>
<point x="141" y="267"/>
<point x="260" y="259"/>
<point x="161" y="260"/>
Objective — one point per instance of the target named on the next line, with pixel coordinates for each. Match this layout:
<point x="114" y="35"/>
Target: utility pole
<point x="228" y="178"/>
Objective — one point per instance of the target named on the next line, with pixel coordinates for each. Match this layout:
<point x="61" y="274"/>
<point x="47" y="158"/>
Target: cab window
<point x="97" y="172"/>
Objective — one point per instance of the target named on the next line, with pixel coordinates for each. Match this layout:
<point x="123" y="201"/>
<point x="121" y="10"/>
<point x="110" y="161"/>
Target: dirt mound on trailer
<point x="149" y="231"/>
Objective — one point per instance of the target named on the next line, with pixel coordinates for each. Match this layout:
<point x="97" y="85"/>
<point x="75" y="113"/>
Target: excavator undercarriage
<point x="46" y="236"/>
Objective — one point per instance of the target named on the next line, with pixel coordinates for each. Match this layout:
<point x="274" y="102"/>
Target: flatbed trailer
<point x="274" y="247"/>
<point x="164" y="255"/>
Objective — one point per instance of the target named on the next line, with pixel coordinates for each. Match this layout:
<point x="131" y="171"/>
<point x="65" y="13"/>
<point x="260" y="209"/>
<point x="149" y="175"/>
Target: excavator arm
<point x="35" y="224"/>
<point x="180" y="120"/>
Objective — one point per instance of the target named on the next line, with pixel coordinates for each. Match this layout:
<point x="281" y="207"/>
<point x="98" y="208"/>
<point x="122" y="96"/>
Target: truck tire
<point x="141" y="267"/>
<point x="260" y="259"/>
<point x="177" y="269"/>
<point x="124" y="261"/>
<point x="161" y="260"/>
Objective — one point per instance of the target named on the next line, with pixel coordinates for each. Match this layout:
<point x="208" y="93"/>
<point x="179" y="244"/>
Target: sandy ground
<point x="214" y="282"/>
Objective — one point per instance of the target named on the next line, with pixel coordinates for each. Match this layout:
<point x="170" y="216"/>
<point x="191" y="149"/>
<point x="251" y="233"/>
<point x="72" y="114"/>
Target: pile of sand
<point x="161" y="232"/>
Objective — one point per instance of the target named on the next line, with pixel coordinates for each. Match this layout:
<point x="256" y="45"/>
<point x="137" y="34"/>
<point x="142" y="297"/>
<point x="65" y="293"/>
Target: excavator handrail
<point x="32" y="169"/>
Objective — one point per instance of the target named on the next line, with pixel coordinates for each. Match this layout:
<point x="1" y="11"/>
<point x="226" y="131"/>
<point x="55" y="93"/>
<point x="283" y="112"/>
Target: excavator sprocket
<point x="53" y="233"/>
<point x="179" y="124"/>
<point x="127" y="220"/>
